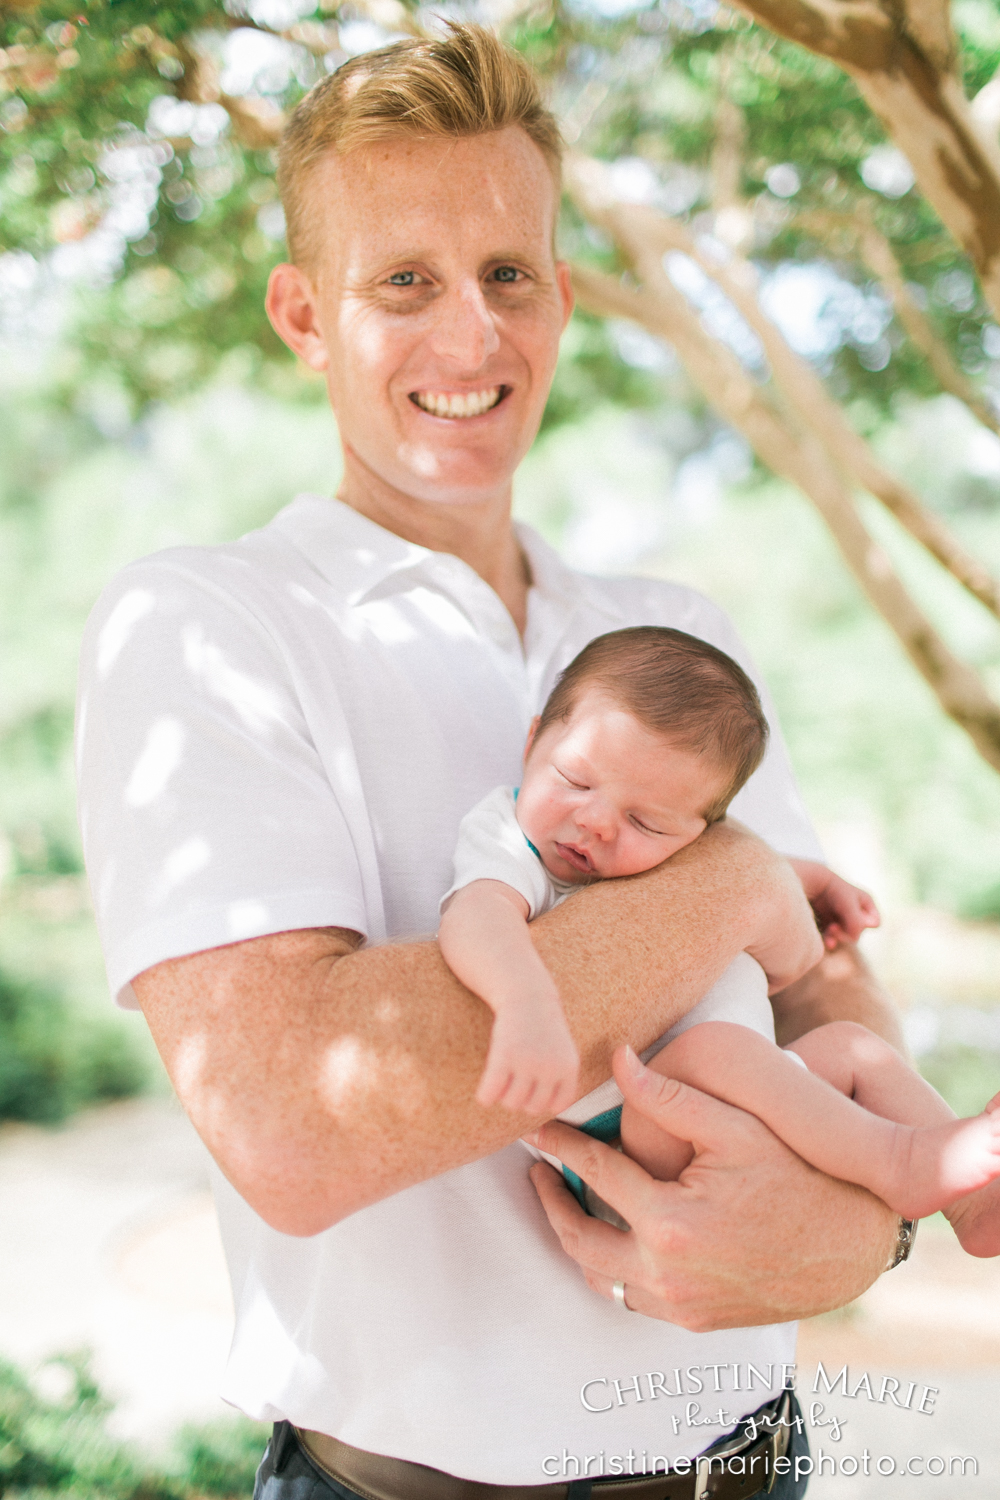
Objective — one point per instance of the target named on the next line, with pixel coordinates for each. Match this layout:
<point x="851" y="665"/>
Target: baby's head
<point x="645" y="739"/>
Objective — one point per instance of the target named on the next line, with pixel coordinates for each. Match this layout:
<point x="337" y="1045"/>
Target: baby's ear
<point x="532" y="731"/>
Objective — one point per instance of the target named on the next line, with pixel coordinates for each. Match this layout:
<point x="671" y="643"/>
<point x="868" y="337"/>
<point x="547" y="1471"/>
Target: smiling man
<point x="277" y="742"/>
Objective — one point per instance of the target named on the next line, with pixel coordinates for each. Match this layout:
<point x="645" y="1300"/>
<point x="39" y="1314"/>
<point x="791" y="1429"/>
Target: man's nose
<point x="464" y="331"/>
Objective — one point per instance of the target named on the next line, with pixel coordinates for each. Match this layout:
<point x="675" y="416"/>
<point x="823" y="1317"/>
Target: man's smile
<point x="459" y="404"/>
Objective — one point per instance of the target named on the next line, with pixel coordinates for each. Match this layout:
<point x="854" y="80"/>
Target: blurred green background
<point x="145" y="403"/>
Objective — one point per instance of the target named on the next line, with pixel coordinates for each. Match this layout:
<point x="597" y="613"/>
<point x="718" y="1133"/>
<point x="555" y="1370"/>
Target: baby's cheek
<point x="637" y="860"/>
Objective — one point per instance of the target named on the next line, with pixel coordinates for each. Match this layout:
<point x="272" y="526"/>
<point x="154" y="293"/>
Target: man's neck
<point x="480" y="534"/>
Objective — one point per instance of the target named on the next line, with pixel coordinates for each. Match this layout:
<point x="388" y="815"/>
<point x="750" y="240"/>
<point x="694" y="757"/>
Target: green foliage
<point x="79" y="138"/>
<point x="59" y="1449"/>
<point x="54" y="1059"/>
<point x="966" y="1077"/>
<point x="222" y="1458"/>
<point x="982" y="905"/>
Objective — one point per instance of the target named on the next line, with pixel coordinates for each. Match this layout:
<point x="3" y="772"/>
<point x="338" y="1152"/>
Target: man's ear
<point x="291" y="307"/>
<point x="565" y="284"/>
<point x="532" y="731"/>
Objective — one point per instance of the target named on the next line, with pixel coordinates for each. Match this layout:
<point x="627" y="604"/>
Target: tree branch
<point x="798" y="457"/>
<point x="881" y="260"/>
<point x="897" y="59"/>
<point x="806" y="394"/>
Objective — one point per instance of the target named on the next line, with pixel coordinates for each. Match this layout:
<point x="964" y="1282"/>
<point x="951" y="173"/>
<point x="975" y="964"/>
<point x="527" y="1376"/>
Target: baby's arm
<point x="793" y="945"/>
<point x="533" y="1063"/>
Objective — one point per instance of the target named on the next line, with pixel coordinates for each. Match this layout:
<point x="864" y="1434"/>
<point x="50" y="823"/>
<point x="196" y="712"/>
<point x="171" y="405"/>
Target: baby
<point x="646" y="738"/>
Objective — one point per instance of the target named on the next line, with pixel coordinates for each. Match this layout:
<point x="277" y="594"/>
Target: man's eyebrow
<point x="405" y="256"/>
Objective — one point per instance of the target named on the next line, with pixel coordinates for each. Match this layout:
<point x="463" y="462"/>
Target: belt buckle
<point x="772" y="1459"/>
<point x="703" y="1463"/>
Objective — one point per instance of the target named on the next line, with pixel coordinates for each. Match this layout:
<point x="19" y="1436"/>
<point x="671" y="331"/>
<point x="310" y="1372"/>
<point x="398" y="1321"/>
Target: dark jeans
<point x="287" y="1473"/>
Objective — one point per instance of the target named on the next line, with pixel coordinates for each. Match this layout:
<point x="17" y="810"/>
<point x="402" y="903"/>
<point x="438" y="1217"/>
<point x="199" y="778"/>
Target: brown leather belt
<point x="736" y="1470"/>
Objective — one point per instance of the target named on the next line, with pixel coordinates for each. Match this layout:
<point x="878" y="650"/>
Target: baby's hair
<point x="677" y="686"/>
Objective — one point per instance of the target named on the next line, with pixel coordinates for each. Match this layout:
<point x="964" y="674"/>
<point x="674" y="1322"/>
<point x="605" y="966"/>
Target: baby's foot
<point x="976" y="1220"/>
<point x="947" y="1163"/>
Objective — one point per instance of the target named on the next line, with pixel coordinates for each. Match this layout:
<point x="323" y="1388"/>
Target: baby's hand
<point x="843" y="911"/>
<point x="532" y="1064"/>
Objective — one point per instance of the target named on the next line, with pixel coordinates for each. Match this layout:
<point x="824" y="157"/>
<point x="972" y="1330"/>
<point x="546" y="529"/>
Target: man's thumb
<point x="676" y="1107"/>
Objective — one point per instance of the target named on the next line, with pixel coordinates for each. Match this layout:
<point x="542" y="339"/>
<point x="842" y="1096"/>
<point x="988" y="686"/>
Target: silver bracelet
<point x="904" y="1243"/>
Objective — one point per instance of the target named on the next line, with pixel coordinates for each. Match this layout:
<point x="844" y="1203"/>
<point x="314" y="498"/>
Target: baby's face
<point x="601" y="796"/>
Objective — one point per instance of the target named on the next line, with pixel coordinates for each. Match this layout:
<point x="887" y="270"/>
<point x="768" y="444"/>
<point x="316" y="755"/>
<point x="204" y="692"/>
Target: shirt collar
<point x="555" y="581"/>
<point x="365" y="561"/>
<point x="350" y="551"/>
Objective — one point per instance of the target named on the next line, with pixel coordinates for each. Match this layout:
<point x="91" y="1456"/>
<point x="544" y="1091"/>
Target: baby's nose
<point x="597" y="819"/>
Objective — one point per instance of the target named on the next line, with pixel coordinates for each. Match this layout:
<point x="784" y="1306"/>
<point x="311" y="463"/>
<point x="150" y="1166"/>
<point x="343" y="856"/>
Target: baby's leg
<point x="871" y="1072"/>
<point x="862" y="1065"/>
<point x="914" y="1170"/>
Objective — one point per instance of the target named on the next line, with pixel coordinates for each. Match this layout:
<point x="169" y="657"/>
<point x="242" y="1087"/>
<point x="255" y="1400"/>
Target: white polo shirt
<point x="286" y="732"/>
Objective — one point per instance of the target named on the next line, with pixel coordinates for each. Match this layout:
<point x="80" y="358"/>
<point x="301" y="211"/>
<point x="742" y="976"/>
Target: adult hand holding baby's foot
<point x="533" y="1064"/>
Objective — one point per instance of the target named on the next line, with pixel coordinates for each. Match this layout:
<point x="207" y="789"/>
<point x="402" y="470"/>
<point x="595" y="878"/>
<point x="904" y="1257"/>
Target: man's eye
<point x="506" y="273"/>
<point x="403" y="278"/>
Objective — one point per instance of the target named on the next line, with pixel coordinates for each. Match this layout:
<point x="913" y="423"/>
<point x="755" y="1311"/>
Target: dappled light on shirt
<point x="119" y="626"/>
<point x="183" y="862"/>
<point x="158" y="760"/>
<point x="257" y="705"/>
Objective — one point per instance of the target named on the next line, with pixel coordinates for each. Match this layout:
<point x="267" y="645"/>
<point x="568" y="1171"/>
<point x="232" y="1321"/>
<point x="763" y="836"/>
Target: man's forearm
<point x="840" y="988"/>
<point x="323" y="1081"/>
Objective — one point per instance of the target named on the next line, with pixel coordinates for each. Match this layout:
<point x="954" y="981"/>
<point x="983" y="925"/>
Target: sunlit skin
<point x="454" y="213"/>
<point x="602" y="796"/>
<point x="434" y="283"/>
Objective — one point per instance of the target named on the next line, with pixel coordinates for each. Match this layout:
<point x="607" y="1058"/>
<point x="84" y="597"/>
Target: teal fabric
<point x="605" y="1127"/>
<point x="526" y="838"/>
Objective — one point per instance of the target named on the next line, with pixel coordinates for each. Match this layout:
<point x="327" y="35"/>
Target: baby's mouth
<point x="575" y="857"/>
<point x="464" y="404"/>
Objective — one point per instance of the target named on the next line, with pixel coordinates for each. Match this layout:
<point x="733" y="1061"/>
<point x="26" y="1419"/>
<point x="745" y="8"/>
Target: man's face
<point x="438" y="306"/>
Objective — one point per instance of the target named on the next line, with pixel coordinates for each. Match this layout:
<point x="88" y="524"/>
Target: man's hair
<point x="462" y="84"/>
<point x="677" y="686"/>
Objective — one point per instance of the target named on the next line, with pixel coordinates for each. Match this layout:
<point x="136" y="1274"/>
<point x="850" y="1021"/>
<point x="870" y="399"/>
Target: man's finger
<point x="597" y="1247"/>
<point x="616" y="1178"/>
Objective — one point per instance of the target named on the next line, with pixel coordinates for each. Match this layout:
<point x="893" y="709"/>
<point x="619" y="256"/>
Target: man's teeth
<point x="471" y="405"/>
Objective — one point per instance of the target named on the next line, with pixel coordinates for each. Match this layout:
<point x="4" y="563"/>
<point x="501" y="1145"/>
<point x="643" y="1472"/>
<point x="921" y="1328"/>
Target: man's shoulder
<point x="235" y="574"/>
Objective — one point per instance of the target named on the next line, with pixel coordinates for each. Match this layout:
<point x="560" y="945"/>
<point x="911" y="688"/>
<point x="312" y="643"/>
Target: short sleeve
<point x="206" y="814"/>
<point x="492" y="846"/>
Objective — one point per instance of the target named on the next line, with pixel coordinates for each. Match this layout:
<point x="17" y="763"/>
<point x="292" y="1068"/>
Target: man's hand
<point x="749" y="1234"/>
<point x="843" y="911"/>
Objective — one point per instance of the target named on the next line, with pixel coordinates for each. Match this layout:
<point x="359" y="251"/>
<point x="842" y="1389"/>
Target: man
<point x="277" y="742"/>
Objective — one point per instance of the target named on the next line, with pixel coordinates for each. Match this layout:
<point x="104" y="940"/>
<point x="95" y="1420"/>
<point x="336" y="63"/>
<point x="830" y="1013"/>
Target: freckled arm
<point x="323" y="1079"/>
